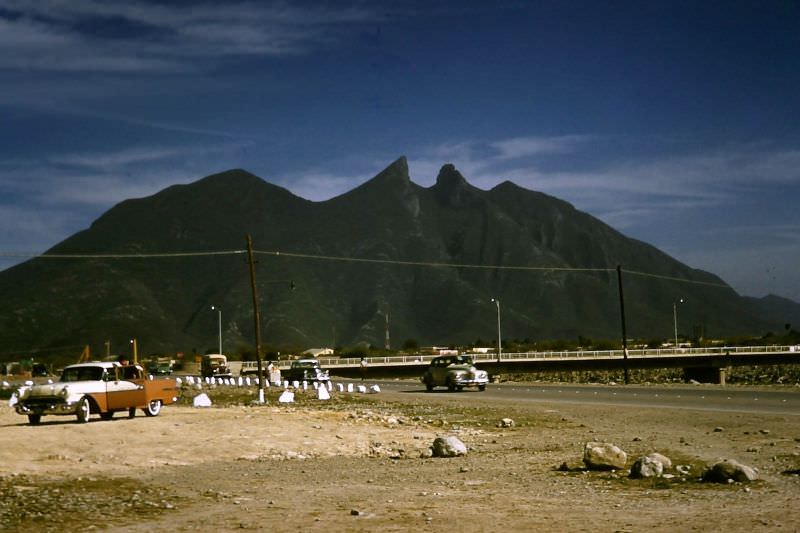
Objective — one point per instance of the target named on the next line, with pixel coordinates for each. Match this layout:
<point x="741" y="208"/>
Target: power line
<point x="319" y="257"/>
<point x="122" y="256"/>
<point x="427" y="263"/>
<point x="671" y="278"/>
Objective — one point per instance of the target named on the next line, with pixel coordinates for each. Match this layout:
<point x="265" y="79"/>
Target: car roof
<point x="104" y="364"/>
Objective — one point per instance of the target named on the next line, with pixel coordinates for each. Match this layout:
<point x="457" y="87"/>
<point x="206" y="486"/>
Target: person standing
<point x="363" y="367"/>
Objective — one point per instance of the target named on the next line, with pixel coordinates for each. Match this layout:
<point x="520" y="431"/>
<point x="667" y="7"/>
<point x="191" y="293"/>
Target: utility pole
<point x="386" y="313"/>
<point x="256" y="317"/>
<point x="624" y="333"/>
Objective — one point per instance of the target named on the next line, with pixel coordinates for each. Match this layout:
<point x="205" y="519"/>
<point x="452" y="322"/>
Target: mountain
<point x="415" y="233"/>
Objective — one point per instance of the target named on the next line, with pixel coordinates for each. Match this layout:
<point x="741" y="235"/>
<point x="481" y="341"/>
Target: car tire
<point x="131" y="412"/>
<point x="107" y="415"/>
<point x="451" y="386"/>
<point x="153" y="408"/>
<point x="429" y="386"/>
<point x="481" y="387"/>
<point x="34" y="419"/>
<point x="84" y="410"/>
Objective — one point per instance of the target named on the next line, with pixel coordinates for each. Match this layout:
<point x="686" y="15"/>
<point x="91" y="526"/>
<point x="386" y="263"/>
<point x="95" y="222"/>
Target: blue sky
<point x="677" y="123"/>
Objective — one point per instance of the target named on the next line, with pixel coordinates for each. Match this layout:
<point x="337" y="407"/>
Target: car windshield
<point x="83" y="373"/>
<point x="305" y="364"/>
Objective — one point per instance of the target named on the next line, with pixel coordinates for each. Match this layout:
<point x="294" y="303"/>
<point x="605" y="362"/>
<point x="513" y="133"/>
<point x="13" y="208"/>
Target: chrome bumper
<point x="55" y="407"/>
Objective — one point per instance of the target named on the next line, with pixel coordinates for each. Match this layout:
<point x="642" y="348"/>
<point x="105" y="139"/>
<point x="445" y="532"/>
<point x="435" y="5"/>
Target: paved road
<point x="700" y="397"/>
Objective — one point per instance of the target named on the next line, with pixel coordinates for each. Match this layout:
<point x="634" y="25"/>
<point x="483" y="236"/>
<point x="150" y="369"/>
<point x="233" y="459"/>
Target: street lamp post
<point x="219" y="325"/>
<point x="675" y="319"/>
<point x="499" y="344"/>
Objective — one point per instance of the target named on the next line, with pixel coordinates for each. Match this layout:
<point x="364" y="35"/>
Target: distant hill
<point x="166" y="302"/>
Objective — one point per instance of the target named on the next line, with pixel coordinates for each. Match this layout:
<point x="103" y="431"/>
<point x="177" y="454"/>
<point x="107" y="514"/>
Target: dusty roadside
<point x="359" y="463"/>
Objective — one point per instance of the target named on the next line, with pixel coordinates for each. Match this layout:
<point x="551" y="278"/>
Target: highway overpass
<point x="704" y="363"/>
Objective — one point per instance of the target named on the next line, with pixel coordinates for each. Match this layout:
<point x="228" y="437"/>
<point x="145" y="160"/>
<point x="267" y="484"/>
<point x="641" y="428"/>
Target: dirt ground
<point x="362" y="463"/>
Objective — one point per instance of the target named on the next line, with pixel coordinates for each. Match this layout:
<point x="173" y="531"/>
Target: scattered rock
<point x="651" y="465"/>
<point x="506" y="423"/>
<point x="450" y="446"/>
<point x="728" y="471"/>
<point x="719" y="429"/>
<point x="201" y="400"/>
<point x="604" y="456"/>
<point x="286" y="396"/>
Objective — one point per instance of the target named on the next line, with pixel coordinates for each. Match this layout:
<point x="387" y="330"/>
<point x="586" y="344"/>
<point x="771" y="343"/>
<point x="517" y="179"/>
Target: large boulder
<point x="448" y="447"/>
<point x="604" y="456"/>
<point x="651" y="465"/>
<point x="730" y="470"/>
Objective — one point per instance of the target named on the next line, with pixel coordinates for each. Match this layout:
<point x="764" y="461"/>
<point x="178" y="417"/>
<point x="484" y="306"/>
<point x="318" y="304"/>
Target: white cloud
<point x="48" y="36"/>
<point x="530" y="146"/>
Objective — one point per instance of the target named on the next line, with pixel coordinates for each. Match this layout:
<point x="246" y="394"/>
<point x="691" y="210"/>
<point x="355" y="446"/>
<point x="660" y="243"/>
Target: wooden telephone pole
<point x="256" y="317"/>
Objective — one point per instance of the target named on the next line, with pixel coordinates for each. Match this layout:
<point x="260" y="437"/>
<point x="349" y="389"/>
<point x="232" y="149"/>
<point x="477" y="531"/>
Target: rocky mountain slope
<point x="417" y="233"/>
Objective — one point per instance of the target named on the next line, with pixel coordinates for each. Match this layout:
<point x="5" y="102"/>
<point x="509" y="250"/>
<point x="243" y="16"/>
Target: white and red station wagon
<point x="103" y="388"/>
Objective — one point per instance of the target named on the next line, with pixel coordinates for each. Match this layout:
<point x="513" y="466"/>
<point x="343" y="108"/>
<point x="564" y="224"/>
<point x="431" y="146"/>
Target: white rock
<point x="730" y="470"/>
<point x="323" y="394"/>
<point x="604" y="456"/>
<point x="651" y="465"/>
<point x="287" y="396"/>
<point x="201" y="400"/>
<point x="506" y="423"/>
<point x="374" y="388"/>
<point x="362" y="389"/>
<point x="349" y="387"/>
<point x="340" y="387"/>
<point x="449" y="446"/>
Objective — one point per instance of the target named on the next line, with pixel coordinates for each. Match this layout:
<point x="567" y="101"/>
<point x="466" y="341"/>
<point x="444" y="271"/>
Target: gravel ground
<point x="362" y="463"/>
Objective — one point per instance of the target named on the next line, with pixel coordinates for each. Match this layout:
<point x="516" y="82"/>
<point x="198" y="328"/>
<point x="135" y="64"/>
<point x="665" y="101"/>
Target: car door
<point x="125" y="388"/>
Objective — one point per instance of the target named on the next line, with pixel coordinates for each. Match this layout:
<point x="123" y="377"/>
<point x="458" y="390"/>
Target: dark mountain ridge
<point x="165" y="301"/>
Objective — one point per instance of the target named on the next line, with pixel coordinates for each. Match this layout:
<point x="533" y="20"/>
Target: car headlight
<point x="64" y="392"/>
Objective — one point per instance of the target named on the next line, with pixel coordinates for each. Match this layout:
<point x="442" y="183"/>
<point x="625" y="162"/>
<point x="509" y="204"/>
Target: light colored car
<point x="103" y="388"/>
<point x="454" y="372"/>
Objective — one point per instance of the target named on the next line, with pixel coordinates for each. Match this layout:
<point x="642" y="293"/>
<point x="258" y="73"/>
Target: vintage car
<point x="215" y="365"/>
<point x="454" y="372"/>
<point x="306" y="370"/>
<point x="103" y="388"/>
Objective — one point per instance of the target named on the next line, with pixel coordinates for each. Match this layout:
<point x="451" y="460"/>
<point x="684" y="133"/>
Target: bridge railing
<point x="418" y="359"/>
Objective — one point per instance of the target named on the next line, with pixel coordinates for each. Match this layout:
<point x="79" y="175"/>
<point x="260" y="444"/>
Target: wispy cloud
<point x="53" y="35"/>
<point x="621" y="189"/>
<point x="532" y="146"/>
